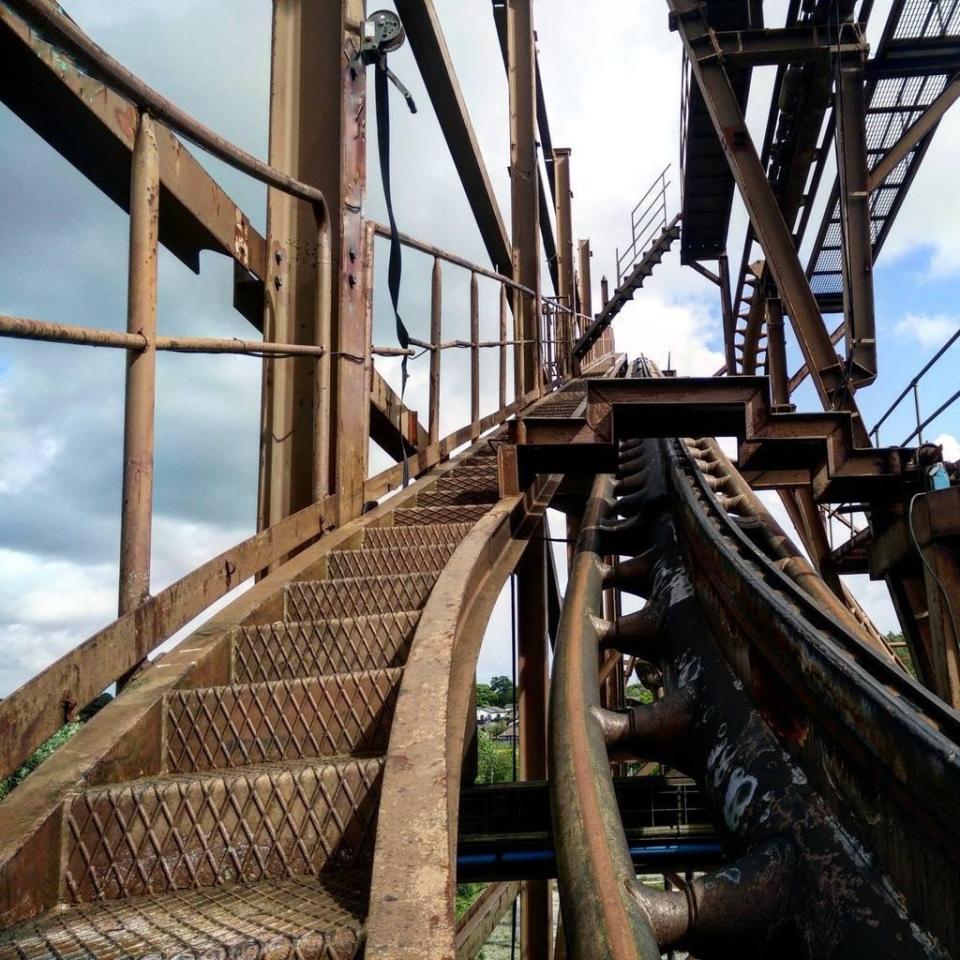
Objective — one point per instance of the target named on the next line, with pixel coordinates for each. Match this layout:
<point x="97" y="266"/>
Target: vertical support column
<point x="851" y="143"/>
<point x="729" y="320"/>
<point x="436" y="330"/>
<point x="137" y="504"/>
<point x="565" y="268"/>
<point x="585" y="287"/>
<point x="777" y="353"/>
<point x="535" y="902"/>
<point x="503" y="348"/>
<point x="935" y="524"/>
<point x="315" y="421"/>
<point x="345" y="186"/>
<point x="524" y="194"/>
<point x="474" y="357"/>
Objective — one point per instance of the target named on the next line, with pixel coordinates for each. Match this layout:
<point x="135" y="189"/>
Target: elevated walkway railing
<point x="39" y="708"/>
<point x="647" y="219"/>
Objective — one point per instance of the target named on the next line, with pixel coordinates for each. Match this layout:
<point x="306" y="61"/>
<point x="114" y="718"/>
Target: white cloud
<point x="48" y="605"/>
<point x="930" y="330"/>
<point x="685" y="332"/>
<point x="25" y="453"/>
<point x="951" y="447"/>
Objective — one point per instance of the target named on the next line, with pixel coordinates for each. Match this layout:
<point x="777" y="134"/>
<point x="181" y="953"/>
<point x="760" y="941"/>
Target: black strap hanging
<point x="395" y="265"/>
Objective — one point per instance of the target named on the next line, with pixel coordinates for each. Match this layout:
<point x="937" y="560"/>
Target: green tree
<point x="638" y="692"/>
<point x="503" y="688"/>
<point x="494" y="760"/>
<point x="486" y="695"/>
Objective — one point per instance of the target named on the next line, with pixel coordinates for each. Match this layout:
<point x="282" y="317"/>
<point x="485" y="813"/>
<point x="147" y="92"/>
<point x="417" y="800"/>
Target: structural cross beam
<point x="784" y="45"/>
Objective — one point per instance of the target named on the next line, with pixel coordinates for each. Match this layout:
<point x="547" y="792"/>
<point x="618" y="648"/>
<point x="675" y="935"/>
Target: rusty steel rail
<point x="419" y="810"/>
<point x="602" y="915"/>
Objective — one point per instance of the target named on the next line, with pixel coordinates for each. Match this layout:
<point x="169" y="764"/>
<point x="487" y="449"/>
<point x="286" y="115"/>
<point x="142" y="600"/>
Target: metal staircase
<point x="257" y="829"/>
<point x="631" y="282"/>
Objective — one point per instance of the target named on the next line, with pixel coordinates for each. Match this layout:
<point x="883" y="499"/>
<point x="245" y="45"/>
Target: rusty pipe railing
<point x="137" y="506"/>
<point x="136" y="512"/>
<point x="602" y="915"/>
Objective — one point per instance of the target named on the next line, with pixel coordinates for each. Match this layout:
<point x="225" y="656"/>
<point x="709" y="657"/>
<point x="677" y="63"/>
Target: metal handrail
<point x="913" y="386"/>
<point x="652" y="218"/>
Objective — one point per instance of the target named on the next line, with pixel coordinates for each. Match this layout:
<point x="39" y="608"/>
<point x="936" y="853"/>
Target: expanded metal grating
<point x="428" y="534"/>
<point x="284" y="651"/>
<point x="201" y="830"/>
<point x="316" y="918"/>
<point x="356" y="597"/>
<point x="894" y="103"/>
<point x="217" y="727"/>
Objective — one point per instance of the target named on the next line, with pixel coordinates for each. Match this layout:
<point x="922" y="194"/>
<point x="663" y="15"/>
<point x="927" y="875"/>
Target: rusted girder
<point x="772" y="232"/>
<point x="439" y="77"/>
<point x="780" y="45"/>
<point x="94" y="127"/>
<point x="855" y="214"/>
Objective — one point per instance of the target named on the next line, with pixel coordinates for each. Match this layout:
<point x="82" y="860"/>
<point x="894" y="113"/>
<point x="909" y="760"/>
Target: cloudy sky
<point x="611" y="74"/>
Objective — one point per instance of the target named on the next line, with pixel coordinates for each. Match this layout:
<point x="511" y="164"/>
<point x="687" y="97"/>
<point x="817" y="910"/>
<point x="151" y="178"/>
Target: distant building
<point x="487" y="715"/>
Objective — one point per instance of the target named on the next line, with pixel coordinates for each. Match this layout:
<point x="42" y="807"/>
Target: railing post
<point x="137" y="504"/>
<point x="531" y="716"/>
<point x="524" y="185"/>
<point x="916" y="408"/>
<point x="436" y="327"/>
<point x="474" y="356"/>
<point x="503" y="348"/>
<point x="566" y="289"/>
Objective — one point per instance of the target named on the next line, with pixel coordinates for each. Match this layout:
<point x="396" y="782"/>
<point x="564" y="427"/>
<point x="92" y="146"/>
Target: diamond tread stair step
<point x="214" y="728"/>
<point x="457" y="496"/>
<point x="428" y="534"/>
<point x="344" y="564"/>
<point x="417" y="516"/>
<point x="356" y="596"/>
<point x="184" y="831"/>
<point x="312" y="918"/>
<point x="289" y="650"/>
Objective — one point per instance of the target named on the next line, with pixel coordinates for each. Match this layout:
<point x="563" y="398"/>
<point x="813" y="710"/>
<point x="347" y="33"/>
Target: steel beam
<point x="136" y="515"/>
<point x="546" y="147"/>
<point x="315" y="426"/>
<point x="566" y="292"/>
<point x="532" y="673"/>
<point x="802" y="371"/>
<point x="935" y="524"/>
<point x="94" y="129"/>
<point x="524" y="180"/>
<point x="783" y="45"/>
<point x="855" y="217"/>
<point x="729" y="316"/>
<point x="393" y="427"/>
<point x="584" y="282"/>
<point x="772" y="232"/>
<point x="776" y="353"/>
<point x="436" y="67"/>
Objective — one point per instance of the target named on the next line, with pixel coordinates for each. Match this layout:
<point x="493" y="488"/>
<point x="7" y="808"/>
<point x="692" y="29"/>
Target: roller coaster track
<point x="830" y="772"/>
